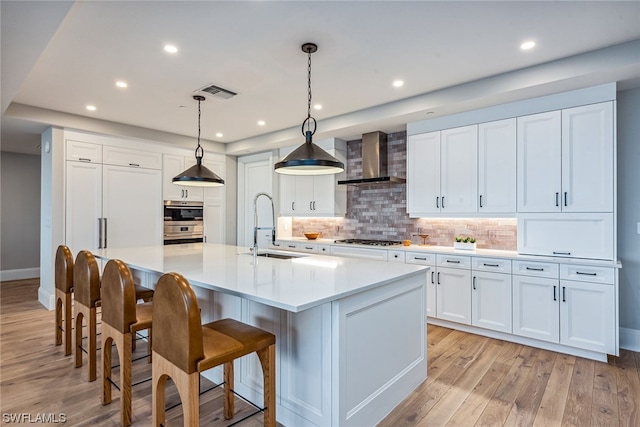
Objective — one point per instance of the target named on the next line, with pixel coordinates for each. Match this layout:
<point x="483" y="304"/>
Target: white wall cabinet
<point x="442" y="171"/>
<point x="317" y="195"/>
<point x="173" y="165"/>
<point x="497" y="166"/>
<point x="565" y="160"/>
<point x="116" y="206"/>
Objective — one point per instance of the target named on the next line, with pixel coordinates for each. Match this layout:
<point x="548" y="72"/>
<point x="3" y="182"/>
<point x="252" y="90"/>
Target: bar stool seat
<point x="64" y="291"/>
<point x="121" y="319"/>
<point x="183" y="348"/>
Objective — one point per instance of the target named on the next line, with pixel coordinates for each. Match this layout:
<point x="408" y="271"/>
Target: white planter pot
<point x="464" y="246"/>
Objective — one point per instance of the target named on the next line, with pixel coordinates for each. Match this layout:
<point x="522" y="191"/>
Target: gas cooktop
<point x="369" y="242"/>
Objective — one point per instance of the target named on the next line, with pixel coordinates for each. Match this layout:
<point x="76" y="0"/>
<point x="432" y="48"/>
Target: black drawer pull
<point x="83" y="159"/>
<point x="419" y="258"/>
<point x="535" y="269"/>
<point x="586" y="274"/>
<point x="561" y="253"/>
<point x="292" y="246"/>
<point x="308" y="247"/>
<point x="453" y="261"/>
<point x="491" y="265"/>
<point x="134" y="164"/>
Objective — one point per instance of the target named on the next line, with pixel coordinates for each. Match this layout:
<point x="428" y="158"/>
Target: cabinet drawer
<point x="534" y="268"/>
<point x="357" y="252"/>
<point x="584" y="273"/>
<point x="134" y="158"/>
<point x="495" y="265"/>
<point x="84" y="152"/>
<point x="396" y="256"/>
<point x="299" y="247"/>
<point x="453" y="261"/>
<point x="324" y="249"/>
<point x="420" y="258"/>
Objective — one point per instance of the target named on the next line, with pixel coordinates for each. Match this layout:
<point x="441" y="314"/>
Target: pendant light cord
<point x="309" y="133"/>
<point x="309" y="86"/>
<point x="199" y="150"/>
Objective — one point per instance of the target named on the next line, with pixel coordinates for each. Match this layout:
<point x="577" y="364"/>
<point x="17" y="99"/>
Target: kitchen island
<point x="351" y="334"/>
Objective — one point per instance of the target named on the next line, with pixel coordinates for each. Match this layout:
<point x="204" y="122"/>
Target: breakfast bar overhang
<point x="351" y="333"/>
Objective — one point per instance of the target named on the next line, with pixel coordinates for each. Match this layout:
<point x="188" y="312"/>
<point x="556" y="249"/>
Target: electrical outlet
<point x="638" y="228"/>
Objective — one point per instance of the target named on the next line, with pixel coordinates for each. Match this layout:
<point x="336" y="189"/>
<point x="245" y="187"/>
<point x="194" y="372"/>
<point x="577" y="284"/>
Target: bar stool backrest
<point x="118" y="296"/>
<point x="177" y="327"/>
<point x="64" y="269"/>
<point x="86" y="279"/>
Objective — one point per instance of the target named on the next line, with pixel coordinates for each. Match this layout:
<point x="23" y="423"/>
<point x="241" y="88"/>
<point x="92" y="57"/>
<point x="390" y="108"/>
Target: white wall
<point x="19" y="216"/>
<point x="629" y="216"/>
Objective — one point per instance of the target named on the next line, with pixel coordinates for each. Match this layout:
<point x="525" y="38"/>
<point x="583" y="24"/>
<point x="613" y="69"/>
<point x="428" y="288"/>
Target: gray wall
<point x="19" y="212"/>
<point x="629" y="207"/>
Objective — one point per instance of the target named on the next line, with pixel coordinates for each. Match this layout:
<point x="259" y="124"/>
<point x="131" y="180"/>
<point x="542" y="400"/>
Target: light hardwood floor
<point x="472" y="381"/>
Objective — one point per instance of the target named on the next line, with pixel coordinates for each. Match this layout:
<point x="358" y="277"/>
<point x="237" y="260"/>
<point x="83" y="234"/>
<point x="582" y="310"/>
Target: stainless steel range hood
<point x="374" y="162"/>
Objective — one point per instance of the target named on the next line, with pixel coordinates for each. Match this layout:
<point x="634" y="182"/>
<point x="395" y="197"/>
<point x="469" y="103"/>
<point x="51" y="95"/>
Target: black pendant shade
<point x="198" y="175"/>
<point x="309" y="159"/>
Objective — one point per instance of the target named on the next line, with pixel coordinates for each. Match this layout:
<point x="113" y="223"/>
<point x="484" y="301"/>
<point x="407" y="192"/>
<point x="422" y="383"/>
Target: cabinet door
<point x="287" y="194"/>
<point x="432" y="292"/>
<point x="587" y="316"/>
<point x="217" y="165"/>
<point x="173" y="165"/>
<point x="535" y="308"/>
<point x="423" y="173"/>
<point x="454" y="295"/>
<point x="491" y="301"/>
<point x="587" y="158"/>
<point x="304" y="194"/>
<point x="213" y="218"/>
<point x="539" y="162"/>
<point x="83" y="205"/>
<point x="459" y="170"/>
<point x="132" y="206"/>
<point x="323" y="194"/>
<point x="497" y="166"/>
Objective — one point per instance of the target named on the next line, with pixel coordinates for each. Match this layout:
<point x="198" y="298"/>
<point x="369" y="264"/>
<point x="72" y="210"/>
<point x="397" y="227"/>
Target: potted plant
<point x="465" y="243"/>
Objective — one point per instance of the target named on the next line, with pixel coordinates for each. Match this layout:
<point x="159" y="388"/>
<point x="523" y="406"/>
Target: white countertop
<point x="449" y="250"/>
<point x="289" y="284"/>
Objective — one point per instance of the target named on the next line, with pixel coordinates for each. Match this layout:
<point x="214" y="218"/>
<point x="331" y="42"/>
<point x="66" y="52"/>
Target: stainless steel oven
<point x="183" y="222"/>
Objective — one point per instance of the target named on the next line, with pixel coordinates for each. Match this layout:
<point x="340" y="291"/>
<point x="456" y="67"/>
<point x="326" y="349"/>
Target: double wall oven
<point x="183" y="222"/>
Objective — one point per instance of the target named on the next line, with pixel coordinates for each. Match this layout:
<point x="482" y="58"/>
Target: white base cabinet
<point x="535" y="308"/>
<point x="491" y="301"/>
<point x="453" y="295"/>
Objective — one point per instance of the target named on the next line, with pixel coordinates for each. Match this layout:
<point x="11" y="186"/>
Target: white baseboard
<point x="19" y="274"/>
<point x="630" y="339"/>
<point x="46" y="299"/>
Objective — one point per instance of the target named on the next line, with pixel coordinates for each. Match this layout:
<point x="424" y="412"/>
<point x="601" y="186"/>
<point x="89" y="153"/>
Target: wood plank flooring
<point x="472" y="381"/>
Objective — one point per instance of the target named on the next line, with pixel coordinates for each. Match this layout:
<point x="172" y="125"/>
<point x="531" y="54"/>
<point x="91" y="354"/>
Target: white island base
<point x="350" y="334"/>
<point x="343" y="363"/>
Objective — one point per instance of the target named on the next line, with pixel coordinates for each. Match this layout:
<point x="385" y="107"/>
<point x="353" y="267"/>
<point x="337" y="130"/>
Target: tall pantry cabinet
<point x="113" y="197"/>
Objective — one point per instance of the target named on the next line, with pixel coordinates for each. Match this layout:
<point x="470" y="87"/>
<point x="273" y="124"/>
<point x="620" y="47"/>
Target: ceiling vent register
<point x="217" y="92"/>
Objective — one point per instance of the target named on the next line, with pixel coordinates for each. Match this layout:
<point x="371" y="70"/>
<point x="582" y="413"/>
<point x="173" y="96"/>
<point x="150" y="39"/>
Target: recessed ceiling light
<point x="398" y="83"/>
<point x="261" y="122"/>
<point x="182" y="107"/>
<point x="219" y="135"/>
<point x="528" y="45"/>
<point x="91" y="107"/>
<point x="170" y="48"/>
<point x="121" y="84"/>
<point x="317" y="107"/>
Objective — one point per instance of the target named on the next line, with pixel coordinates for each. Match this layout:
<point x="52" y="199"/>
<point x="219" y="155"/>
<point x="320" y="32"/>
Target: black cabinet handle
<point x="292" y="246"/>
<point x="535" y="269"/>
<point x="420" y="258"/>
<point x="293" y="206"/>
<point x="561" y="253"/>
<point x="438" y="202"/>
<point x="453" y="261"/>
<point x="310" y="206"/>
<point x="491" y="265"/>
<point x="557" y="194"/>
<point x="134" y="164"/>
<point x="438" y="277"/>
<point x="474" y="283"/>
<point x="308" y="247"/>
<point x="565" y="198"/>
<point x="554" y="294"/>
<point x="564" y="294"/>
<point x="83" y="159"/>
<point x="481" y="200"/>
<point x="442" y="202"/>
<point x="432" y="281"/>
<point x="314" y="205"/>
<point x="586" y="274"/>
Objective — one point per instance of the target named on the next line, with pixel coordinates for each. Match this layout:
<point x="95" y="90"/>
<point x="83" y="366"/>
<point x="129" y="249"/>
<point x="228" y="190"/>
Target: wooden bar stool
<point x="183" y="348"/>
<point x="86" y="278"/>
<point x="121" y="319"/>
<point x="64" y="289"/>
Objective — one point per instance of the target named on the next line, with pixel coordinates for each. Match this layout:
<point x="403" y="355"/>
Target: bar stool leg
<point x="229" y="401"/>
<point x="78" y="348"/>
<point x="92" y="344"/>
<point x="268" y="361"/>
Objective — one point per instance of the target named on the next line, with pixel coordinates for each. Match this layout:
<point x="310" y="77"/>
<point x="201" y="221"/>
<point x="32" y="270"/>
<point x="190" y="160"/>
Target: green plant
<point x="458" y="239"/>
<point x="472" y="240"/>
<point x="467" y="239"/>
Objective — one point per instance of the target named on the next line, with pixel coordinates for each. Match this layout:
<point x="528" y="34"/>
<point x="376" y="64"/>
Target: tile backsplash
<point x="379" y="211"/>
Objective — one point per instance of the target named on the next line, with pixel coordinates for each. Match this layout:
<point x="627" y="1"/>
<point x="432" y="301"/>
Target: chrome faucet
<point x="255" y="223"/>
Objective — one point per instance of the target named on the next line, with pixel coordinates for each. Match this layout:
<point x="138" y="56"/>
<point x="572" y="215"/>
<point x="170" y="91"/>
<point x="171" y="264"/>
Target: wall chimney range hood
<point x="374" y="162"/>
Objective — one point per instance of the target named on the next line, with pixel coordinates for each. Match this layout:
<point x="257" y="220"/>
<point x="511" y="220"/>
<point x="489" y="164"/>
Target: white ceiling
<point x="60" y="56"/>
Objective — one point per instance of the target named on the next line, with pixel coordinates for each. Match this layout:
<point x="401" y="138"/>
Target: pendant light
<point x="309" y="159"/>
<point x="198" y="175"/>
